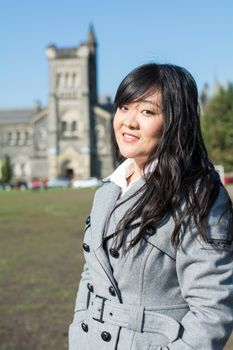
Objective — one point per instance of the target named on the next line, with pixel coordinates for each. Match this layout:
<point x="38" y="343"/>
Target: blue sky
<point x="196" y="34"/>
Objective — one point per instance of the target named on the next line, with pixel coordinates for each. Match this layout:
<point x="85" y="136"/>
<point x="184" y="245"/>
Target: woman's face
<point x="138" y="127"/>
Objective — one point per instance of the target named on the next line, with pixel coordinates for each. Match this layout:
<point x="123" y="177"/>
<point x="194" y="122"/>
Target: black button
<point x="86" y="247"/>
<point x="112" y="291"/>
<point x="150" y="231"/>
<point x="90" y="287"/>
<point x="84" y="327"/>
<point x="106" y="336"/>
<point x="88" y="219"/>
<point x="114" y="253"/>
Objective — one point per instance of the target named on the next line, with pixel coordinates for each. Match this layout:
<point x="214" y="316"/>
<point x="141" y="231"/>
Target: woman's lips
<point x="129" y="137"/>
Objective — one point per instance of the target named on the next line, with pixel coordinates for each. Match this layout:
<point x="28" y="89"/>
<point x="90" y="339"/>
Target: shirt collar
<point x="124" y="170"/>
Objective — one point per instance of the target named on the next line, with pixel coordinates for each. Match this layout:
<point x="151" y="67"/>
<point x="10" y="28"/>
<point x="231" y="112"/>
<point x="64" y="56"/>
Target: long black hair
<point x="183" y="183"/>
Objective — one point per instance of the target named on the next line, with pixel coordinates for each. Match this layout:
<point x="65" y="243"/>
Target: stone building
<point x="72" y="136"/>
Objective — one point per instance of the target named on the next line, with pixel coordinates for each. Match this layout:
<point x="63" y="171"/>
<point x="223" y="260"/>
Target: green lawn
<point x="41" y="260"/>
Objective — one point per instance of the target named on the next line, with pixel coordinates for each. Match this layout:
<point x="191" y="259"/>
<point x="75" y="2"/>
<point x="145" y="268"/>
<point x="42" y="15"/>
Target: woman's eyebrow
<point x="151" y="102"/>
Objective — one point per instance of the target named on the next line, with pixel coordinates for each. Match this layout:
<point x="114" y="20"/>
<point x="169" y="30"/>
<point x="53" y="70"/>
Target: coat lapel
<point x="125" y="203"/>
<point x="104" y="202"/>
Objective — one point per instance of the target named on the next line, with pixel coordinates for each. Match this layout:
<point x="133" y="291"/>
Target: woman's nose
<point x="130" y="121"/>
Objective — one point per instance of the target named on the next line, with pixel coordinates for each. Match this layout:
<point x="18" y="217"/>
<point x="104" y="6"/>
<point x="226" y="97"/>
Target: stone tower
<point x="72" y="149"/>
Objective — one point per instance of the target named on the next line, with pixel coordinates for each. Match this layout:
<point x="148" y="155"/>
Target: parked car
<point x="87" y="182"/>
<point x="20" y="185"/>
<point x="5" y="186"/>
<point x="228" y="180"/>
<point x="58" y="183"/>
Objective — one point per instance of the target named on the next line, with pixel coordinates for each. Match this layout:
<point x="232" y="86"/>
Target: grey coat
<point x="154" y="297"/>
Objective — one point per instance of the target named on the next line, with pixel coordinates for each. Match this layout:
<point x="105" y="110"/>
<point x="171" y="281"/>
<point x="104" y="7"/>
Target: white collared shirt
<point x="123" y="171"/>
<point x="120" y="175"/>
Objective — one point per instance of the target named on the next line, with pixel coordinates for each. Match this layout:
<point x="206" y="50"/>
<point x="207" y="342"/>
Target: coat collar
<point x="105" y="200"/>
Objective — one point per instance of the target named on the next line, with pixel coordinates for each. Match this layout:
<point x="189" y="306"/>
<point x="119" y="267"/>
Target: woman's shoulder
<point x="222" y="199"/>
<point x="107" y="189"/>
<point x="220" y="217"/>
<point x="105" y="184"/>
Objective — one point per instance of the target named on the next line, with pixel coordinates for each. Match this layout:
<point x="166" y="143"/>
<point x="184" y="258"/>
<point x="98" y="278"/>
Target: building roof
<point x="65" y="52"/>
<point x="12" y="116"/>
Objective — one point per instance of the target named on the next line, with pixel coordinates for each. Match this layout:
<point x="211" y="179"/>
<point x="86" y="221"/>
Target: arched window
<point x="66" y="79"/>
<point x="9" y="137"/>
<point x="74" y="125"/>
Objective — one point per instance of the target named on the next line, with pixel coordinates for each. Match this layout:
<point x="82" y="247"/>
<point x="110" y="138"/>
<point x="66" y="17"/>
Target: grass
<point x="41" y="260"/>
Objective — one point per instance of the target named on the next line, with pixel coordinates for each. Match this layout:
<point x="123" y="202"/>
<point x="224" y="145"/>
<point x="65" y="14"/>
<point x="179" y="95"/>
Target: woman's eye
<point x="123" y="108"/>
<point x="148" y="112"/>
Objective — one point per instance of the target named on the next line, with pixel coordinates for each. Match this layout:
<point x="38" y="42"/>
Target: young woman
<point x="158" y="242"/>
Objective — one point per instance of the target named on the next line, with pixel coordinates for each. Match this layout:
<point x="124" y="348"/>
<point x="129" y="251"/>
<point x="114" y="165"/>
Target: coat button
<point x="90" y="287"/>
<point x="112" y="291"/>
<point x="86" y="247"/>
<point x="106" y="336"/>
<point x="114" y="253"/>
<point x="150" y="231"/>
<point x="84" y="327"/>
<point x="88" y="219"/>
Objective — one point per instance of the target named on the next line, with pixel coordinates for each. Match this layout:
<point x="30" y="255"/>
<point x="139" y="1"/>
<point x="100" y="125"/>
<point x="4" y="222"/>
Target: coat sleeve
<point x="81" y="302"/>
<point x="82" y="294"/>
<point x="79" y="311"/>
<point x="205" y="274"/>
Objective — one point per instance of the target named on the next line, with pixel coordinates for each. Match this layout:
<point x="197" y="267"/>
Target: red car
<point x="228" y="180"/>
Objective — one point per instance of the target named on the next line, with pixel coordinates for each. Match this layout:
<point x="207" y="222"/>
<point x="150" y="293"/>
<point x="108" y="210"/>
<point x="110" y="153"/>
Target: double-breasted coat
<point x="154" y="297"/>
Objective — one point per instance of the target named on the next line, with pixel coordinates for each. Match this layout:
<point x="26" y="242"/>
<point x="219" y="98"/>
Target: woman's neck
<point x="137" y="174"/>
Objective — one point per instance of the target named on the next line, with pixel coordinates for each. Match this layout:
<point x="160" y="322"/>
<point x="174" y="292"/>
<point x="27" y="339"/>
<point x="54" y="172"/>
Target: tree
<point x="217" y="127"/>
<point x="6" y="169"/>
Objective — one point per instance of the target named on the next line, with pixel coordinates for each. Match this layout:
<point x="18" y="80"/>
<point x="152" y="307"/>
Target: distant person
<point x="35" y="184"/>
<point x="158" y="242"/>
<point x="16" y="184"/>
<point x="44" y="182"/>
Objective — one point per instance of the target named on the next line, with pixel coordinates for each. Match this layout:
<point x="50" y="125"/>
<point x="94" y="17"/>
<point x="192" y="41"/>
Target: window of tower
<point x="63" y="126"/>
<point x="74" y="80"/>
<point x="58" y="80"/>
<point x="66" y="79"/>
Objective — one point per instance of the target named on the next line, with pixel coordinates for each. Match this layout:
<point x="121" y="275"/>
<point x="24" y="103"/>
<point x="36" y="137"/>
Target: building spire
<point x="91" y="39"/>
